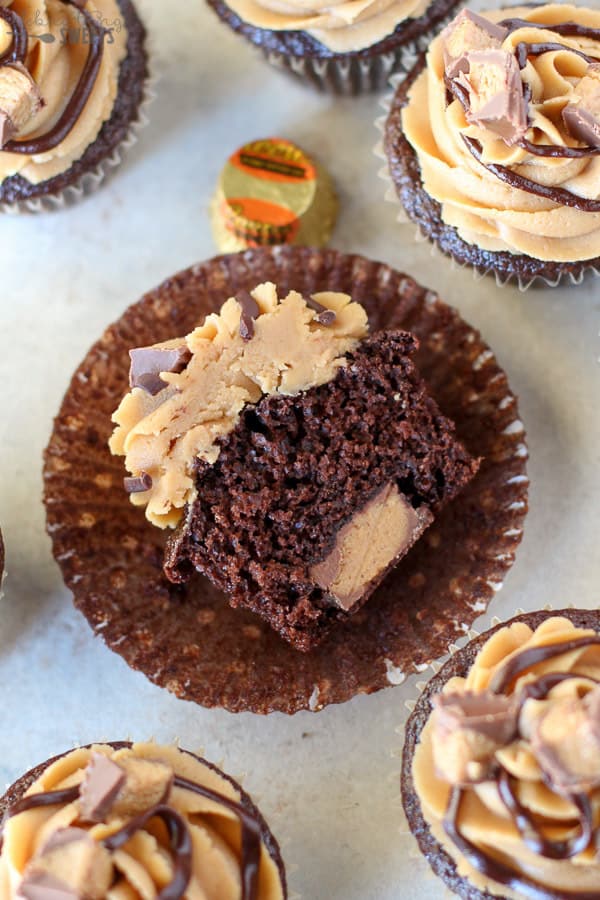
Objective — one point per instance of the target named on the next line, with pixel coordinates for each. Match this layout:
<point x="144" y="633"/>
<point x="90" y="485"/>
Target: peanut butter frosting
<point x="141" y="822"/>
<point x="57" y="51"/>
<point x="343" y="27"/>
<point x="508" y="766"/>
<point x="189" y="392"/>
<point x="507" y="162"/>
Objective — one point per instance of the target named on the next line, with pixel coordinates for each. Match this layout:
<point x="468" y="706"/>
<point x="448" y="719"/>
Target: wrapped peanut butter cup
<point x="60" y="137"/>
<point x="135" y="820"/>
<point x="271" y="192"/>
<point x="183" y="634"/>
<point x="500" y="771"/>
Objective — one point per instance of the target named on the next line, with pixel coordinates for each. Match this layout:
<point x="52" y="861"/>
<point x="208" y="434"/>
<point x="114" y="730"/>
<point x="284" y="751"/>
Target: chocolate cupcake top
<point x="341" y="27"/>
<point x="505" y="123"/>
<point x="507" y="770"/>
<point x="136" y="821"/>
<point x="59" y="68"/>
<point x="189" y="392"/>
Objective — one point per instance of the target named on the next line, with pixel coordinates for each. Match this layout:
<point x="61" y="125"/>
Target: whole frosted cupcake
<point x="134" y="821"/>
<point x="493" y="142"/>
<point x="72" y="76"/>
<point x="345" y="48"/>
<point x="501" y="768"/>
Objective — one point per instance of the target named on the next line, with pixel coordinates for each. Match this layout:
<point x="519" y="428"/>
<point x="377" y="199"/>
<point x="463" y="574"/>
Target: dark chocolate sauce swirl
<point x="496" y="870"/>
<point x="48" y="798"/>
<point x="556" y="195"/>
<point x="564" y="29"/>
<point x="251" y="834"/>
<point x="181" y="846"/>
<point x="324" y="316"/>
<point x="534" y="655"/>
<point x="179" y="835"/>
<point x="523" y="51"/>
<point x="80" y="96"/>
<point x="250" y="312"/>
<point x="17" y="51"/>
<point x="532" y="837"/>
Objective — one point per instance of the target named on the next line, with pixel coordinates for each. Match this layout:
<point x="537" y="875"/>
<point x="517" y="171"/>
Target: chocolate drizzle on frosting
<point x="586" y="835"/>
<point x="251" y="837"/>
<point x="179" y="835"/>
<point x="181" y="846"/>
<point x="556" y="195"/>
<point x="81" y="94"/>
<point x="49" y="798"/>
<point x="523" y="51"/>
<point x="17" y="51"/>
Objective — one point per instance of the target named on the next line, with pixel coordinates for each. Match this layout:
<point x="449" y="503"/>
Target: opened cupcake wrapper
<point x="89" y="181"/>
<point x="419" y="841"/>
<point x="391" y="195"/>
<point x="188" y="639"/>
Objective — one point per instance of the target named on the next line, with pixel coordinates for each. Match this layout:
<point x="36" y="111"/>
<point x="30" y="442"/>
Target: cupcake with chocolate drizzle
<point x="123" y="820"/>
<point x="72" y="82"/>
<point x="493" y="142"/>
<point x="501" y="766"/>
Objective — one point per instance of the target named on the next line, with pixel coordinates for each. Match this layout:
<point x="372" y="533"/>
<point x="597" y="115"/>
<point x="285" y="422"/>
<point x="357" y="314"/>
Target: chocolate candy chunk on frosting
<point x="565" y="739"/>
<point x="469" y="728"/>
<point x="582" y="115"/>
<point x="20" y="100"/>
<point x="496" y="100"/>
<point x="126" y="788"/>
<point x="102" y="782"/>
<point x="71" y="865"/>
<point x="147" y="363"/>
<point x="467" y="33"/>
<point x="368" y="545"/>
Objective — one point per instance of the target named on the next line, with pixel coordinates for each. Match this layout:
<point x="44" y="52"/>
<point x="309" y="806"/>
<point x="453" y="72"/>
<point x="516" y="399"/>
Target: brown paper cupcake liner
<point x="16" y="791"/>
<point x="189" y="639"/>
<point x="89" y="181"/>
<point x="503" y="277"/>
<point x="354" y="73"/>
<point x="418" y="841"/>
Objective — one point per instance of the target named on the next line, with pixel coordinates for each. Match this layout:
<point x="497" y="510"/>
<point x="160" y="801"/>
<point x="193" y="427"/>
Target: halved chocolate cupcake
<point x="501" y="766"/>
<point x="72" y="81"/>
<point x="493" y="142"/>
<point x="135" y="820"/>
<point x="187" y="637"/>
<point x="301" y="459"/>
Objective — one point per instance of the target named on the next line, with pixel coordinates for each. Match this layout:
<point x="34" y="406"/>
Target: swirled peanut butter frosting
<point x="508" y="766"/>
<point x="189" y="392"/>
<point x="141" y="822"/>
<point x="505" y="123"/>
<point x="342" y="27"/>
<point x="45" y="46"/>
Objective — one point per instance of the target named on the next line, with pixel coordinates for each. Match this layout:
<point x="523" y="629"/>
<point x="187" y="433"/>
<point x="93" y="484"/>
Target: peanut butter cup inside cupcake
<point x="187" y="637"/>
